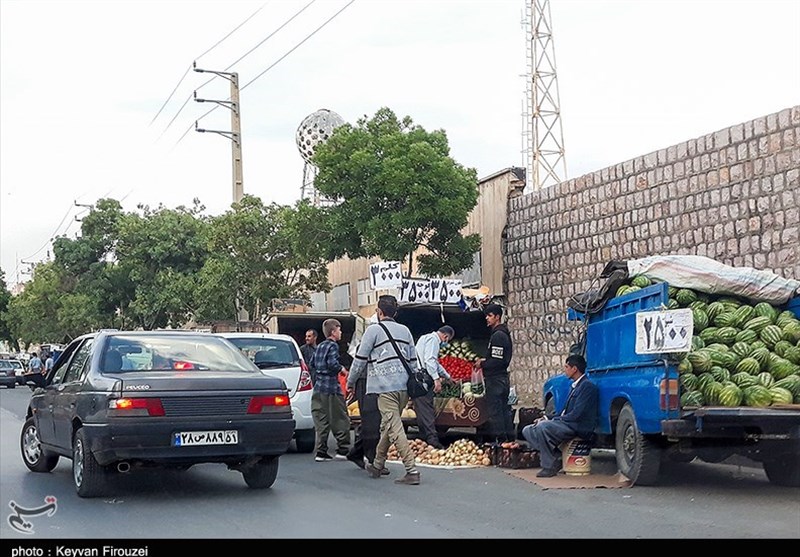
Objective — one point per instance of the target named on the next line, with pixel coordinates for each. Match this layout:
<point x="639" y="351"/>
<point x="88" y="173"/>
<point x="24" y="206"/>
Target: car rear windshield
<point x="268" y="353"/>
<point x="171" y="353"/>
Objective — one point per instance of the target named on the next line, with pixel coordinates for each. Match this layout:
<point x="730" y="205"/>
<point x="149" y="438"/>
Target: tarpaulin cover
<point x="712" y="277"/>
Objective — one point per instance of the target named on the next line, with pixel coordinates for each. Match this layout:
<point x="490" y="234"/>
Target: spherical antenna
<point x="316" y="128"/>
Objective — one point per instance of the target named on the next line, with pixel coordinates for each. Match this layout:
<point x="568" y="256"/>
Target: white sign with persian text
<point x="664" y="331"/>
<point x="385" y="274"/>
<point x="414" y="290"/>
<point x="445" y="291"/>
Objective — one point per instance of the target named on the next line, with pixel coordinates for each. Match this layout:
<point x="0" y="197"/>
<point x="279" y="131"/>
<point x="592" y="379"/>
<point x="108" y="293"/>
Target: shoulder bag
<point x="419" y="383"/>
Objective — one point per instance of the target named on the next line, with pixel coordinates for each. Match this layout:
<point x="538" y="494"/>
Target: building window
<point x="366" y="295"/>
<point x="340" y="297"/>
<point x="319" y="301"/>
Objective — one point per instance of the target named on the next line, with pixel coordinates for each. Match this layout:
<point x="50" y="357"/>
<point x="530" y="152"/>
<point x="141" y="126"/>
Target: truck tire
<point x="784" y="470"/>
<point x="638" y="458"/>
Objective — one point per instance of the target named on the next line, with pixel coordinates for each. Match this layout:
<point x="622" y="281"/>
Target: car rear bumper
<point x="143" y="440"/>
<point x="8" y="381"/>
<point x="301" y="410"/>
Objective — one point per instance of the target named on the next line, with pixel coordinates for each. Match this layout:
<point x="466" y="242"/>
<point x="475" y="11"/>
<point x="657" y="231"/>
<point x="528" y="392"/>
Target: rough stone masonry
<point x="732" y="195"/>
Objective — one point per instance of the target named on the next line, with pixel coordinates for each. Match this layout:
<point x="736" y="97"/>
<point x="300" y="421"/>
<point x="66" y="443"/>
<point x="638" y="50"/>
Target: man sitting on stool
<point x="578" y="419"/>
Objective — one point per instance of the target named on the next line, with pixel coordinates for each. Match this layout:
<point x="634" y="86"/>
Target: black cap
<point x="496" y="309"/>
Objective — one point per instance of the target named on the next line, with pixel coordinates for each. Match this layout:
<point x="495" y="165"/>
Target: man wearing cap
<point x="428" y="347"/>
<point x="500" y="425"/>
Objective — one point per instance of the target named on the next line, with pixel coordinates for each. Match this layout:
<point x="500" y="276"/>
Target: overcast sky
<point x="82" y="83"/>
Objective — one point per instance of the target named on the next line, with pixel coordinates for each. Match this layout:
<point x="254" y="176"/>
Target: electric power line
<point x="198" y="57"/>
<point x="314" y="32"/>
<point x="285" y="23"/>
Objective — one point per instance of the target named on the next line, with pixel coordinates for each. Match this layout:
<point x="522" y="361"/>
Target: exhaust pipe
<point x="123" y="467"/>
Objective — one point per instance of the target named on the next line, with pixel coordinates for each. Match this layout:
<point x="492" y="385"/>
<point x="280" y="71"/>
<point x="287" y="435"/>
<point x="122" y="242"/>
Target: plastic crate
<point x="517" y="458"/>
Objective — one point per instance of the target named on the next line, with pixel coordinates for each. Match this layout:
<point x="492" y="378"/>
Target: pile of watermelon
<point x="743" y="353"/>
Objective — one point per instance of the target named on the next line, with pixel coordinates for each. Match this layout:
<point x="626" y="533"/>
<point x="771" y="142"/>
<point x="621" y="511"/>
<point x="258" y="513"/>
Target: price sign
<point x="414" y="290"/>
<point x="385" y="274"/>
<point x="664" y="331"/>
<point x="445" y="291"/>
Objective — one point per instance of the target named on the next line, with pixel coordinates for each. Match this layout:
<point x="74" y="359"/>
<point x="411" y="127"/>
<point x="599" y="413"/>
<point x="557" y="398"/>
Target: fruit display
<point x="743" y="353"/>
<point x="458" y="358"/>
<point x="463" y="452"/>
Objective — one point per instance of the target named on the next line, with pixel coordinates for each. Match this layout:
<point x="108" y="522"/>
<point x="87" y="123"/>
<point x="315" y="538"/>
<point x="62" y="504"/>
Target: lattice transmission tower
<point x="543" y="137"/>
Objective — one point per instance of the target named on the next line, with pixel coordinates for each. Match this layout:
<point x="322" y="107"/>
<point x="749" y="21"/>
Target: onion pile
<point x="462" y="452"/>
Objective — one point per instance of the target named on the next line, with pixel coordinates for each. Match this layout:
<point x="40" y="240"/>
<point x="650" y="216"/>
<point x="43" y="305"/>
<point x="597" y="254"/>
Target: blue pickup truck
<point x="641" y="417"/>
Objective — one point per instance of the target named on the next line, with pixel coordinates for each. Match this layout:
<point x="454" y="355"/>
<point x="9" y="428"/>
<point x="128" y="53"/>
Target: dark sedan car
<point x="117" y="400"/>
<point x="8" y="374"/>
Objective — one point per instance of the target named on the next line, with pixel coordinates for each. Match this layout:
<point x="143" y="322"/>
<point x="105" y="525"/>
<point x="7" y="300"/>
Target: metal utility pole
<point x="544" y="155"/>
<point x="235" y="135"/>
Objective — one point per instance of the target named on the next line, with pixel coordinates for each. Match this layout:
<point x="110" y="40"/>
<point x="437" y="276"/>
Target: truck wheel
<point x="262" y="474"/>
<point x="305" y="440"/>
<point x="784" y="470"/>
<point x="87" y="474"/>
<point x="35" y="457"/>
<point x="638" y="458"/>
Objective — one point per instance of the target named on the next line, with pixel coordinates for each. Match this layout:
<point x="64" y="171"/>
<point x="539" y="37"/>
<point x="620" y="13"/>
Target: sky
<point x="96" y="96"/>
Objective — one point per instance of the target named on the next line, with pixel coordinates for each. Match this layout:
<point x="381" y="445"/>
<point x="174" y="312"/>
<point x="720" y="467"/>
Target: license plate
<point x="191" y="438"/>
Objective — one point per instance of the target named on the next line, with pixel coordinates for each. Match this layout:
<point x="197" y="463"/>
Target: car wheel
<point x="305" y="440"/>
<point x="638" y="458"/>
<point x="36" y="458"/>
<point x="262" y="474"/>
<point x="89" y="477"/>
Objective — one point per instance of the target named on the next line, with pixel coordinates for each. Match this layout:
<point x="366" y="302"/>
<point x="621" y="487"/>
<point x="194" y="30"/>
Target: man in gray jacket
<point x="387" y="377"/>
<point x="428" y="347"/>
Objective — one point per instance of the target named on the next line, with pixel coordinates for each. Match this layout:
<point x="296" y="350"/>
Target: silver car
<point x="279" y="355"/>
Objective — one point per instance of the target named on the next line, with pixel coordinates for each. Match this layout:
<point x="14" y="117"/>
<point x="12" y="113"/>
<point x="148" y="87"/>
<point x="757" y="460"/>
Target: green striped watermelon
<point x="727" y="335"/>
<point x="720" y="373"/>
<point x="792" y="383"/>
<point x="741" y="349"/>
<point x="757" y="396"/>
<point x="757" y="323"/>
<point x="747" y="335"/>
<point x="763" y="309"/>
<point x="770" y="335"/>
<point x="766" y="379"/>
<point x="692" y="399"/>
<point x="744" y="379"/>
<point x="749" y="366"/>
<point x="685" y="297"/>
<point x="780" y="395"/>
<point x="731" y="395"/>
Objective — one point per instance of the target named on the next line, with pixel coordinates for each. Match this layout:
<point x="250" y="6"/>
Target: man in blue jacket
<point x="578" y="419"/>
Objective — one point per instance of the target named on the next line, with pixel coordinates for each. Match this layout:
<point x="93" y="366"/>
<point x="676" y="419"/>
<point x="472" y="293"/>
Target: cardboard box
<point x="518" y="458"/>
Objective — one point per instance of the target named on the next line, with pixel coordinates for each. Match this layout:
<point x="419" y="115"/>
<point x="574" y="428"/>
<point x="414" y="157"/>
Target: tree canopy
<point x="396" y="190"/>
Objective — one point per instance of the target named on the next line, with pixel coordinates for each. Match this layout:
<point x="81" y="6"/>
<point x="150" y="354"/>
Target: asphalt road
<point x="337" y="500"/>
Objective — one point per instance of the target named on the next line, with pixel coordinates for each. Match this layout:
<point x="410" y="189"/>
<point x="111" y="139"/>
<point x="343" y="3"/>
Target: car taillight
<point x="135" y="407"/>
<point x="181" y="365"/>
<point x="305" y="378"/>
<point x="669" y="399"/>
<point x="259" y="403"/>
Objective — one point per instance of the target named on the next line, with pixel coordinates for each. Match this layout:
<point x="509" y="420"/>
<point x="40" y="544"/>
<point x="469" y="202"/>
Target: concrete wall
<point x="732" y="195"/>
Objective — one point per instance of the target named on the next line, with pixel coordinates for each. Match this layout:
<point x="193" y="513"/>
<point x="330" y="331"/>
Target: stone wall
<point x="732" y="195"/>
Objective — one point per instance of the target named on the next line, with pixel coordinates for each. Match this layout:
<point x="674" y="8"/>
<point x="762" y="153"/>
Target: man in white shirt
<point x="428" y="347"/>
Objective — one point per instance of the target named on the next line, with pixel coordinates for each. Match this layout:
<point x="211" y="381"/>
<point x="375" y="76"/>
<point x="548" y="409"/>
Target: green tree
<point x="161" y="253"/>
<point x="90" y="269"/>
<point x="45" y="311"/>
<point x="5" y="328"/>
<point x="397" y="190"/>
<point x="259" y="252"/>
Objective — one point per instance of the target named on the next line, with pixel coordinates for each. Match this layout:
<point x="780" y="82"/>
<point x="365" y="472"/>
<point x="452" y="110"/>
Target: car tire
<point x="305" y="440"/>
<point x="88" y="476"/>
<point x="35" y="457"/>
<point x="262" y="474"/>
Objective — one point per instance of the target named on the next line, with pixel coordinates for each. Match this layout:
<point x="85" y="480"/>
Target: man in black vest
<point x="578" y="419"/>
<point x="500" y="426"/>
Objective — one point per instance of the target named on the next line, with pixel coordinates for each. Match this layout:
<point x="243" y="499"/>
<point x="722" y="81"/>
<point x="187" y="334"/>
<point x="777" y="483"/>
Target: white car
<point x="279" y="355"/>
